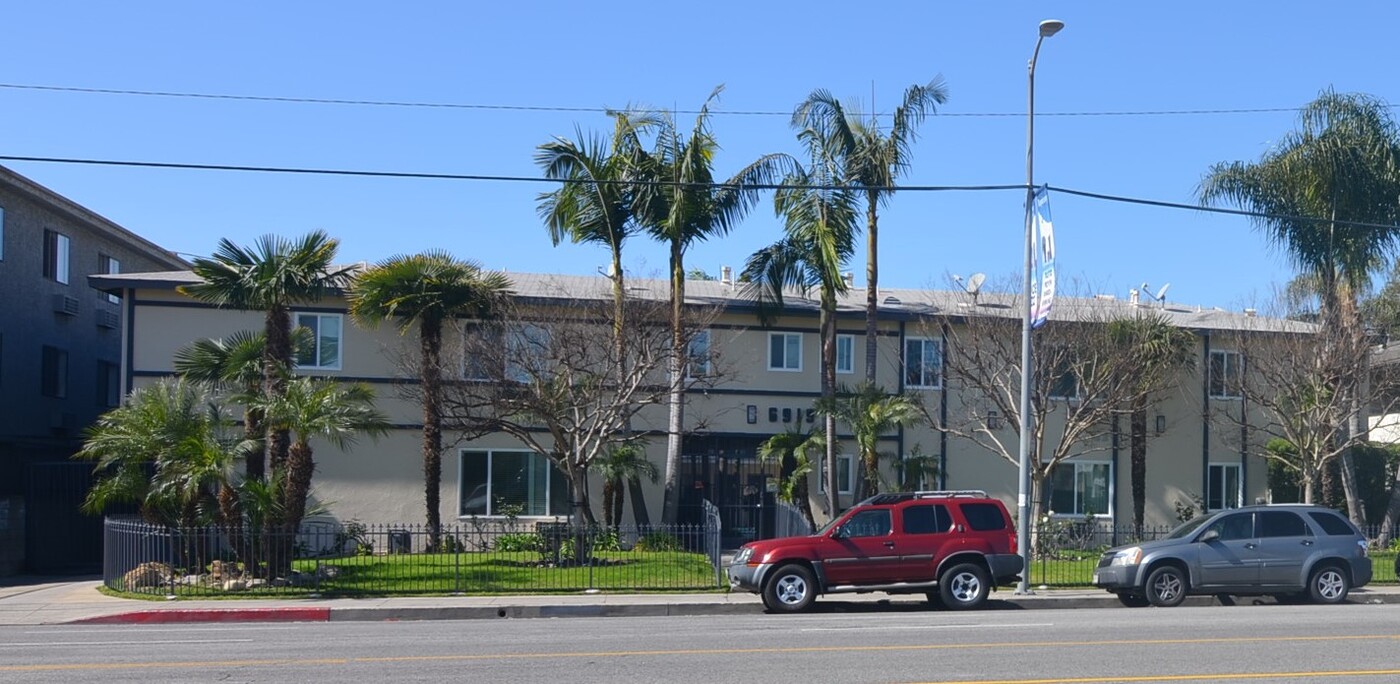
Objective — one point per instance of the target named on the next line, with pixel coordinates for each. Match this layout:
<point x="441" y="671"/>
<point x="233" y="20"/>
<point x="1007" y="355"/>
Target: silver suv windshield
<point x="1188" y="527"/>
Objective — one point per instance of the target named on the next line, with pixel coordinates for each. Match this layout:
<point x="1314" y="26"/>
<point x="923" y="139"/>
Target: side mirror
<point x="1209" y="536"/>
<point x="839" y="532"/>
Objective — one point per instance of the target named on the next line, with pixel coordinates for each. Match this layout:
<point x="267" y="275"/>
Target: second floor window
<point x="109" y="265"/>
<point x="845" y="353"/>
<point x="324" y="350"/>
<point x="699" y="354"/>
<point x="923" y="363"/>
<point x="785" y="351"/>
<point x="109" y="390"/>
<point x="53" y="374"/>
<point x="1225" y="374"/>
<point x="56" y="256"/>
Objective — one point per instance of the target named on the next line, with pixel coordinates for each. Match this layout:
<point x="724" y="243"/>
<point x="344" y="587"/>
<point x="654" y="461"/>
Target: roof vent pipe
<point x="726" y="275"/>
<point x="1133" y="296"/>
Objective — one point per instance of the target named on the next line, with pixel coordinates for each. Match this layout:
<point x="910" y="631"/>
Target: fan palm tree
<point x="679" y="202"/>
<point x="871" y="160"/>
<point x="622" y="464"/>
<point x="1341" y="165"/>
<point x="426" y="291"/>
<point x="791" y="450"/>
<point x="270" y="277"/>
<point x="870" y="412"/>
<point x="1160" y="349"/>
<point x="594" y="205"/>
<point x="820" y="224"/>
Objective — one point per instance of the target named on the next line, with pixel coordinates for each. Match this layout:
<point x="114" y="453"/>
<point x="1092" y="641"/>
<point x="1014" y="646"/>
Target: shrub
<point x="659" y="541"/>
<point x="521" y="541"/>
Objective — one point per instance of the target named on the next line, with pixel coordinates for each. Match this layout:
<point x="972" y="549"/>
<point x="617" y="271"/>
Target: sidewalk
<point x="78" y="601"/>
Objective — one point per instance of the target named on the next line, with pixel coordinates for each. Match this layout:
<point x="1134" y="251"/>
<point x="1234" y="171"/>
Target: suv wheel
<point x="1166" y="586"/>
<point x="964" y="586"/>
<point x="790" y="589"/>
<point x="1329" y="584"/>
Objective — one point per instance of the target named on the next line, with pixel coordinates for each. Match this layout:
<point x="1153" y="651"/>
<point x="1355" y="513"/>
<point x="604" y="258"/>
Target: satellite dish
<point x="1162" y="293"/>
<point x="975" y="282"/>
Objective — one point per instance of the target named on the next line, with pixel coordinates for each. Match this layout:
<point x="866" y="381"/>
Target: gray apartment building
<point x="60" y="361"/>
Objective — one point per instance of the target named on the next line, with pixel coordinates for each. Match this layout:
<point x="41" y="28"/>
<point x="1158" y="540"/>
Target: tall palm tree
<point x="622" y="464"/>
<point x="679" y="202"/>
<point x="1341" y="165"/>
<point x="427" y="291"/>
<point x="819" y="222"/>
<point x="872" y="160"/>
<point x="790" y="449"/>
<point x="1160" y="349"/>
<point x="270" y="276"/>
<point x="594" y="205"/>
<point x="870" y="412"/>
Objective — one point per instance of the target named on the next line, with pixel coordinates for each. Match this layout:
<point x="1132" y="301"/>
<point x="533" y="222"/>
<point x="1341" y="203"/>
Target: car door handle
<point x="1251" y="546"/>
<point x="889" y="544"/>
<point x="1307" y="542"/>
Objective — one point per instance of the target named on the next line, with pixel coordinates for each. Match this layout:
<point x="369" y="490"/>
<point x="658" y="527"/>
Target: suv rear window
<point x="1332" y="524"/>
<point x="927" y="519"/>
<point x="984" y="517"/>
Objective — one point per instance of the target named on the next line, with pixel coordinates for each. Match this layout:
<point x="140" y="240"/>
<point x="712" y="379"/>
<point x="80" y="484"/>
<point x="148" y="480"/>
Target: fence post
<point x="457" y="560"/>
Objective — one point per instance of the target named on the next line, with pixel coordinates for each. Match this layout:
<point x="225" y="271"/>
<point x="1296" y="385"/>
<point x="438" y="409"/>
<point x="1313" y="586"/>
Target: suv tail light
<point x="1014" y="550"/>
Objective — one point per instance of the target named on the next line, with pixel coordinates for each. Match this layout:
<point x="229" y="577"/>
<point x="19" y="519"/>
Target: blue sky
<point x="1111" y="57"/>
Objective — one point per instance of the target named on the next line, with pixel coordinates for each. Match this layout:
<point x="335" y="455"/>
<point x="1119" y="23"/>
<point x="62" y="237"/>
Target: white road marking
<point x="123" y="643"/>
<point x="898" y="627"/>
<point x="129" y="629"/>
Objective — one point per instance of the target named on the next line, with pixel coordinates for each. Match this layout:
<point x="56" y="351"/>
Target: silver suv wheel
<point x="791" y="589"/>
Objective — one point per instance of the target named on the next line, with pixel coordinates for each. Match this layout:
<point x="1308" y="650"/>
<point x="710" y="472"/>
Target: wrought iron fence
<point x="789" y="522"/>
<point x="473" y="557"/>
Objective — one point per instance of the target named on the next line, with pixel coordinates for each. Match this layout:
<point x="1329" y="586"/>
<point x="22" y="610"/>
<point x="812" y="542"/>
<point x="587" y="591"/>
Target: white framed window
<point x="481" y="342"/>
<point x="923" y="363"/>
<point x="1225" y="488"/>
<point x="509" y="482"/>
<point x="784" y="351"/>
<point x="699" y="352"/>
<point x="527" y="352"/>
<point x="110" y="265"/>
<point x="1066" y="385"/>
<point x="1080" y="488"/>
<point x="845" y="473"/>
<point x="56" y="256"/>
<point x="1225" y="374"/>
<point x="324" y="352"/>
<point x="845" y="353"/>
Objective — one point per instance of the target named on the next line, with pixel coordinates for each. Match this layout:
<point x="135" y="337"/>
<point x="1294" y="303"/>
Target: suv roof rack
<point x="949" y="493"/>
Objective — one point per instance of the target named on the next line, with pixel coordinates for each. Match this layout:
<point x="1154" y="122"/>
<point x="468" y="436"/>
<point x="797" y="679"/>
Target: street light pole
<point x="1048" y="28"/>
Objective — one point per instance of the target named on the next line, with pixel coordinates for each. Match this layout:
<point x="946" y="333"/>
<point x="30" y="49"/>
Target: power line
<point x="603" y="110"/>
<point x="755" y="186"/>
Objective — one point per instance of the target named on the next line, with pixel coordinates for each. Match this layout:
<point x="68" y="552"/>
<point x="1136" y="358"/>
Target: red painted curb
<point x="147" y="617"/>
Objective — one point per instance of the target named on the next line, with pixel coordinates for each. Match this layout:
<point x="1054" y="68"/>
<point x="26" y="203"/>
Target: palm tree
<point x="623" y="464"/>
<point x="870" y="412"/>
<point x="871" y="160"/>
<point x="1341" y="165"/>
<point x="820" y="224"/>
<point x="594" y="205"/>
<point x="1160" y="349"/>
<point x="790" y="449"/>
<point x="270" y="277"/>
<point x="678" y="201"/>
<point x="427" y="291"/>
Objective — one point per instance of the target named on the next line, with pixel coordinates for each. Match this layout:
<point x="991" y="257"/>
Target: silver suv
<point x="1292" y="551"/>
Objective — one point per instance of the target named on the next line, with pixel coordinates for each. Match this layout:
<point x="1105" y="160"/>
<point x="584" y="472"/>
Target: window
<point x="1224" y="489"/>
<point x="480" y="343"/>
<point x="785" y="351"/>
<point x="56" y="256"/>
<point x="984" y="517"/>
<point x="870" y="523"/>
<point x="1282" y="524"/>
<point x="511" y="483"/>
<point x="1066" y="385"/>
<point x="1225" y="369"/>
<point x="109" y="265"/>
<point x="527" y="353"/>
<point x="845" y="471"/>
<point x="923" y="363"/>
<point x="699" y="350"/>
<point x="927" y="519"/>
<point x="324" y="350"/>
<point x="1331" y="523"/>
<point x="1234" y="527"/>
<point x="1079" y="488"/>
<point x="109" y="390"/>
<point x="845" y="353"/>
<point x="54" y="373"/>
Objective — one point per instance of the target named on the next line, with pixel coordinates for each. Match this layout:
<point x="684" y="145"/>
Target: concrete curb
<point x="151" y="617"/>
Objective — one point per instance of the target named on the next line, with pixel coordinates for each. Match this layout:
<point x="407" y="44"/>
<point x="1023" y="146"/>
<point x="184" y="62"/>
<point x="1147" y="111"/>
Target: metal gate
<point x="728" y="474"/>
<point x="59" y="538"/>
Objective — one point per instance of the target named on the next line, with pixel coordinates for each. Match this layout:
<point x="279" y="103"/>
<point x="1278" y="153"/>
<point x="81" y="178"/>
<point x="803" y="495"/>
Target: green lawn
<point x="1079" y="573"/>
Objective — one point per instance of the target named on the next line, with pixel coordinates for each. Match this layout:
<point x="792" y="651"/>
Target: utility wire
<point x="754" y="186"/>
<point x="543" y="108"/>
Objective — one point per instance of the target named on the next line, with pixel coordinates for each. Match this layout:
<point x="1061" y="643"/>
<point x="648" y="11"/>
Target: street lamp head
<point x="1050" y="27"/>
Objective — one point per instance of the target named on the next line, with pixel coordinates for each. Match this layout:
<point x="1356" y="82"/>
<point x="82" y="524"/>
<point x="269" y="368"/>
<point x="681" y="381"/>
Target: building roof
<point x="896" y="303"/>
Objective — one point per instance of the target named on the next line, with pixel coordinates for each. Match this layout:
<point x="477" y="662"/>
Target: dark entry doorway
<point x="725" y="470"/>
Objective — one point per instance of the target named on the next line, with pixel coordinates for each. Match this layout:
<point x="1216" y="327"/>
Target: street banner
<point x="1043" y="294"/>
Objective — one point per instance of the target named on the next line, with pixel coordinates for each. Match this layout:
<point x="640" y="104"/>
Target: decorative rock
<point x="256" y="583"/>
<point x="235" y="585"/>
<point x="150" y="574"/>
<point x="191" y="580"/>
<point x="328" y="571"/>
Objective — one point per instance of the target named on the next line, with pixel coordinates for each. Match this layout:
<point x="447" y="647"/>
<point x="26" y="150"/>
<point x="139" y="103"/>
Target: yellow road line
<point x="1215" y="677"/>
<point x="704" y="651"/>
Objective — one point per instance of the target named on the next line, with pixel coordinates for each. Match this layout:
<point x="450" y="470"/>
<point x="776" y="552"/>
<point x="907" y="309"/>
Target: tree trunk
<point x="430" y="340"/>
<point x="872" y="282"/>
<point x="255" y="464"/>
<point x="639" y="506"/>
<point x="609" y="513"/>
<point x="277" y="362"/>
<point x="1138" y="446"/>
<point x="583" y="508"/>
<point x="672" y="503"/>
<point x="1392" y="513"/>
<point x="828" y="386"/>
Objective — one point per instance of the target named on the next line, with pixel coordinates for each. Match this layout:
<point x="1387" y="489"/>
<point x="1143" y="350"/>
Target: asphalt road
<point x="1349" y="643"/>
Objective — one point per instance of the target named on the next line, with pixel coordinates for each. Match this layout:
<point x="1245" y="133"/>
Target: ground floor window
<point x="1079" y="488"/>
<point x="501" y="482"/>
<point x="1224" y="487"/>
<point x="845" y="469"/>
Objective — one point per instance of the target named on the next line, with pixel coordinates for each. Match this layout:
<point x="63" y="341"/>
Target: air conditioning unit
<point x="63" y="304"/>
<point x="108" y="319"/>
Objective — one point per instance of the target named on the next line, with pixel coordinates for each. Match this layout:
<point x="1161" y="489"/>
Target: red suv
<point x="953" y="546"/>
